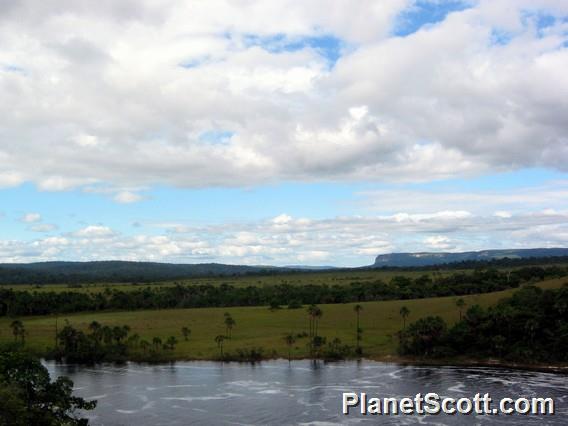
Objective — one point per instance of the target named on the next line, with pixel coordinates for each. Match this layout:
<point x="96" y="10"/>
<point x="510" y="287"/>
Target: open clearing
<point x="339" y="277"/>
<point x="260" y="327"/>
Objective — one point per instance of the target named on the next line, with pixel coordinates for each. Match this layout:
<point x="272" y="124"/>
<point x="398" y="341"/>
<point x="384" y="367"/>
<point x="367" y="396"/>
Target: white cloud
<point x="127" y="197"/>
<point x="500" y="202"/>
<point x="439" y="242"/>
<point x="43" y="227"/>
<point x="282" y="219"/>
<point x="31" y="217"/>
<point x="502" y="214"/>
<point x="342" y="241"/>
<point x="94" y="231"/>
<point x="89" y="106"/>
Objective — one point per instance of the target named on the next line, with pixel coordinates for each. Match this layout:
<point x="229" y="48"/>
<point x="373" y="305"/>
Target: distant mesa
<point x="432" y="258"/>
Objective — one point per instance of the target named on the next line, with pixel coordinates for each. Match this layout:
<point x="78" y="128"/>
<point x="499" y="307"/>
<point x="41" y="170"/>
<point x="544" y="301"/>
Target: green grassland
<point x="333" y="277"/>
<point x="260" y="327"/>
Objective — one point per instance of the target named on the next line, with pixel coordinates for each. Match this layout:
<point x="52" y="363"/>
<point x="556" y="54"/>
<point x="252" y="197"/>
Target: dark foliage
<point x="21" y="303"/>
<point x="29" y="397"/>
<point x="117" y="271"/>
<point x="109" y="344"/>
<point x="530" y="326"/>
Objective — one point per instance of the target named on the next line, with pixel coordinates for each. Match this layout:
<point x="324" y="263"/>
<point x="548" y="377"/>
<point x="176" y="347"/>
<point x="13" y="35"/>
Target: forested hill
<point x="431" y="258"/>
<point x="117" y="271"/>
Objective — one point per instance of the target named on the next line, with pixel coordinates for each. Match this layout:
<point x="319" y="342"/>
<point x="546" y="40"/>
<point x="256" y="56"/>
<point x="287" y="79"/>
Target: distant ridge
<point x="433" y="258"/>
<point x="117" y="271"/>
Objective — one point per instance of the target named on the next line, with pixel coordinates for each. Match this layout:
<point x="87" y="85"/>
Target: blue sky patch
<point x="216" y="137"/>
<point x="329" y="47"/>
<point x="424" y="13"/>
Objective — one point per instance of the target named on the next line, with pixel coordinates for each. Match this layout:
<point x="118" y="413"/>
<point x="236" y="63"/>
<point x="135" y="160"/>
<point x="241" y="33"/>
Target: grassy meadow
<point x="260" y="327"/>
<point x="300" y="278"/>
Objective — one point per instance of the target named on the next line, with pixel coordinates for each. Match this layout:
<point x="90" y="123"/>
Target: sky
<point x="283" y="132"/>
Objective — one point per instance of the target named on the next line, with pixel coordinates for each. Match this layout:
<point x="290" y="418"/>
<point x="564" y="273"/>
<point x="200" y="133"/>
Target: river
<point x="304" y="392"/>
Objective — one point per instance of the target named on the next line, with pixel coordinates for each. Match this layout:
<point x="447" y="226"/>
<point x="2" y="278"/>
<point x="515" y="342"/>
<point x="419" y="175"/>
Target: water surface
<point x="308" y="393"/>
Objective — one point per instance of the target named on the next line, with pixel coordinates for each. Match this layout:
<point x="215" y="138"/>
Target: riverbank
<point x="468" y="362"/>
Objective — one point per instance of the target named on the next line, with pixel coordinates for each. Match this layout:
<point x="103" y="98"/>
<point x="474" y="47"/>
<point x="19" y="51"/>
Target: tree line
<point x="530" y="326"/>
<point x="22" y="303"/>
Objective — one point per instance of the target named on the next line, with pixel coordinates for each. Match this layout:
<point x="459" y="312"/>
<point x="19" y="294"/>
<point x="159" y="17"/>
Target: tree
<point x="29" y="397"/>
<point x="186" y="332"/>
<point x="358" y="309"/>
<point x="144" y="344"/>
<point x="424" y="335"/>
<point x="460" y="303"/>
<point x="133" y="340"/>
<point x="157" y="343"/>
<point x="18" y="330"/>
<point x="290" y="340"/>
<point x="56" y="330"/>
<point x="229" y="324"/>
<point x="404" y="312"/>
<point x="107" y="334"/>
<point x="317" y="316"/>
<point x="96" y="330"/>
<point x="311" y="318"/>
<point x="171" y="343"/>
<point x="274" y="305"/>
<point x="317" y="343"/>
<point x="219" y="340"/>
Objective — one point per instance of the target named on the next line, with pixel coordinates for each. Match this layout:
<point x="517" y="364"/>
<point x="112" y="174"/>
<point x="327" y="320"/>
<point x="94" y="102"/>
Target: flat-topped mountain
<point x="433" y="258"/>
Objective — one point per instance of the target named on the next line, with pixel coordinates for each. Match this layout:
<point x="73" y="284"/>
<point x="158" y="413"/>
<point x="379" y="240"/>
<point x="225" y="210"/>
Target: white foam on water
<point x="127" y="411"/>
<point x="458" y="388"/>
<point x="104" y="395"/>
<point x="202" y="398"/>
<point x="183" y="386"/>
<point x="148" y="405"/>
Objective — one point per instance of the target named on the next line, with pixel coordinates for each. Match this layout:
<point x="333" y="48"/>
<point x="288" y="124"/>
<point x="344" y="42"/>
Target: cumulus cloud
<point x="439" y="242"/>
<point x="127" y="197"/>
<point x="43" y="227"/>
<point x="31" y="217"/>
<point x="94" y="231"/>
<point x="342" y="241"/>
<point x="121" y="94"/>
<point x="501" y="202"/>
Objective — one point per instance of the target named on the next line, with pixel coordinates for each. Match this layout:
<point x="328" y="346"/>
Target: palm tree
<point x="404" y="312"/>
<point x="460" y="303"/>
<point x="157" y="343"/>
<point x="311" y="316"/>
<point x="229" y="324"/>
<point x="290" y="340"/>
<point x="530" y="327"/>
<point x="219" y="340"/>
<point x="317" y="315"/>
<point x="56" y="331"/>
<point x="133" y="340"/>
<point x="96" y="330"/>
<point x="18" y="330"/>
<point x="171" y="342"/>
<point x="335" y="343"/>
<point x="358" y="308"/>
<point x="144" y="345"/>
<point x="119" y="333"/>
<point x="106" y="332"/>
<point x="186" y="332"/>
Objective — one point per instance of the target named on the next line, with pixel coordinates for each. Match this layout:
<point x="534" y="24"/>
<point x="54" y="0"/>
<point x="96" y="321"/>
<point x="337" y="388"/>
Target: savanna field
<point x="259" y="326"/>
